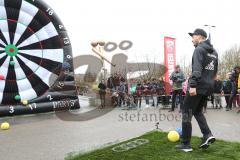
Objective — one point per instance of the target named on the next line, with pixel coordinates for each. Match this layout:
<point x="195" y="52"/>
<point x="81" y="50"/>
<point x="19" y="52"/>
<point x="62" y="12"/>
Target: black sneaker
<point x="184" y="147"/>
<point x="206" y="141"/>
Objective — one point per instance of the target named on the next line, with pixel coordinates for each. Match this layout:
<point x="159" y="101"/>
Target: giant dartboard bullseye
<point x="35" y="58"/>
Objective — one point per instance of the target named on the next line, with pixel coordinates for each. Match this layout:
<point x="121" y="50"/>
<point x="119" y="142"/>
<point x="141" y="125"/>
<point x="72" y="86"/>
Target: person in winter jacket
<point x="147" y="92"/>
<point x="177" y="77"/>
<point x="154" y="92"/>
<point x="139" y="93"/>
<point x="201" y="84"/>
<point x="102" y="92"/>
<point x="235" y="85"/>
<point x="161" y="91"/>
<point x="227" y="88"/>
<point x="121" y="92"/>
<point x="110" y="83"/>
<point x="218" y="91"/>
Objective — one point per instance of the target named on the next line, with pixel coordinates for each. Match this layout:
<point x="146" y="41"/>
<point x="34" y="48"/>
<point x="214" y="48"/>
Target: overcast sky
<point x="146" y="22"/>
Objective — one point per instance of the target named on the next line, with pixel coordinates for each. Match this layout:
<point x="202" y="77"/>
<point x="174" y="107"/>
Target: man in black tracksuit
<point x="200" y="86"/>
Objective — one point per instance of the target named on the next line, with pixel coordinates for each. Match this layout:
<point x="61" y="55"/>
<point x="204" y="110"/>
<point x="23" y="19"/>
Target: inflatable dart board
<point x="36" y="66"/>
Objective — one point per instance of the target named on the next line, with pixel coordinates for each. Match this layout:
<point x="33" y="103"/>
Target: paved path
<point x="46" y="137"/>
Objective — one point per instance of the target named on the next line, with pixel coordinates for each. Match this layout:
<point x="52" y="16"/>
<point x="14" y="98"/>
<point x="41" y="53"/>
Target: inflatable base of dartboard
<point x="36" y="62"/>
<point x="34" y="108"/>
<point x="62" y="96"/>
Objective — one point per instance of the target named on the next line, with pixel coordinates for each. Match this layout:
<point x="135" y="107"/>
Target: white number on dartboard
<point x="60" y="85"/>
<point x="50" y="97"/>
<point x="66" y="40"/>
<point x="11" y="109"/>
<point x="50" y="11"/>
<point x="61" y="26"/>
<point x="32" y="106"/>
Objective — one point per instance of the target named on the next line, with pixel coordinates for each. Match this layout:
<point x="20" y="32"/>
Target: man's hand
<point x="238" y="90"/>
<point x="193" y="91"/>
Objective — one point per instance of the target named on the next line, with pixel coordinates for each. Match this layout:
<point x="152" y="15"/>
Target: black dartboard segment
<point x="34" y="45"/>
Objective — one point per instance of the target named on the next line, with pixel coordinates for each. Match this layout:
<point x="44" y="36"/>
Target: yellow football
<point x="25" y="102"/>
<point x="5" y="126"/>
<point x="173" y="136"/>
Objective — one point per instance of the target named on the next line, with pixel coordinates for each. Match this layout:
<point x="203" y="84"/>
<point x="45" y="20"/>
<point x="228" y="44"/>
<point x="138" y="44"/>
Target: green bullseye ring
<point x="11" y="50"/>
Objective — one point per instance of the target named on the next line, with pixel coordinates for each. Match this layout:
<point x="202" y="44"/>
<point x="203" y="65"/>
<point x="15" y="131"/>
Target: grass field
<point x="159" y="148"/>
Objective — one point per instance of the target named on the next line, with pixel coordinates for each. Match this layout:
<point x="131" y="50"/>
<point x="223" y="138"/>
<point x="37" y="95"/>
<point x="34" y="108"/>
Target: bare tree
<point x="229" y="60"/>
